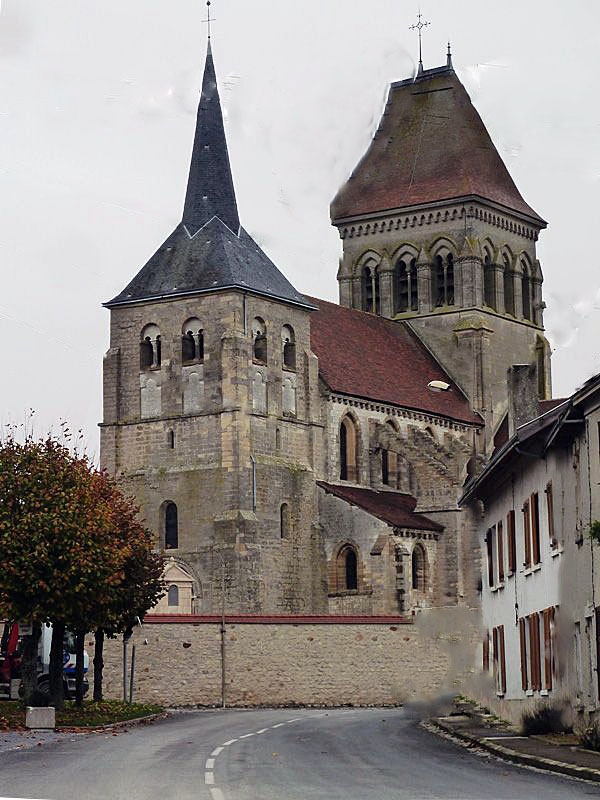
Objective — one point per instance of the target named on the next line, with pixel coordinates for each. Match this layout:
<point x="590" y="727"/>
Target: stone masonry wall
<point x="385" y="661"/>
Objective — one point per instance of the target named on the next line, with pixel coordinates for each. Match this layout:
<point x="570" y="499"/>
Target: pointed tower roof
<point x="431" y="146"/>
<point x="209" y="250"/>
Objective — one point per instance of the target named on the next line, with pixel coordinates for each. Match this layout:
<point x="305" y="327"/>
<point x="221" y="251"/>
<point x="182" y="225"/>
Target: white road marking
<point x="216" y="793"/>
<point x="209" y="778"/>
<point x="216" y="751"/>
<point x="296" y="719"/>
<point x="210" y="764"/>
<point x="231" y="741"/>
<point x="247" y="735"/>
<point x="262" y="730"/>
<point x="279" y="725"/>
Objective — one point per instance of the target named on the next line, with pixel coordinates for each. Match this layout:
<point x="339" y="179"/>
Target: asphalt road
<point x="362" y="754"/>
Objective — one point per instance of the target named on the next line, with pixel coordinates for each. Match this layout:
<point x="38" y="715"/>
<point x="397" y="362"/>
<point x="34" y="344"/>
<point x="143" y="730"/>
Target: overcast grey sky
<point x="97" y="110"/>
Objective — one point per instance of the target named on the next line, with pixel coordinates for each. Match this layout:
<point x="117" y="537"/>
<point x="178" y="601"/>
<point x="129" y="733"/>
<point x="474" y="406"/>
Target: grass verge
<point x="92" y="715"/>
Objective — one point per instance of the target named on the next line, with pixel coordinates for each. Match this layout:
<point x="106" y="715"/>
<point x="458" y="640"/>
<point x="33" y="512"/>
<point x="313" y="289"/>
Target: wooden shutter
<point x="550" y="510"/>
<point x="526" y="534"/>
<point x="512" y="541"/>
<point x="502" y="659"/>
<point x="535" y="527"/>
<point x="495" y="657"/>
<point x="523" y="639"/>
<point x="548" y="648"/>
<point x="500" y="538"/>
<point x="597" y="615"/>
<point x="490" y="557"/>
<point x="534" y="654"/>
<point x="486" y="652"/>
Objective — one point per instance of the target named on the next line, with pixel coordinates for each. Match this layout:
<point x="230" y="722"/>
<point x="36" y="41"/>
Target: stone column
<point x="386" y="286"/>
<point x="499" y="283"/>
<point x="424" y="283"/>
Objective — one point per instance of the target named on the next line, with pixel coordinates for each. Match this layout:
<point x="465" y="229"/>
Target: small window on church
<point x="150" y="350"/>
<point x="407" y="294"/>
<point x="489" y="282"/>
<point x="442" y="275"/>
<point x="288" y="342"/>
<point x="348" y="450"/>
<point x="347" y="569"/>
<point x="371" y="299"/>
<point x="192" y="342"/>
<point x="284" y="521"/>
<point x="171" y="439"/>
<point x="526" y="287"/>
<point x="173" y="595"/>
<point x="171" y="527"/>
<point x="419" y="580"/>
<point x="509" y="289"/>
<point x="259" y="339"/>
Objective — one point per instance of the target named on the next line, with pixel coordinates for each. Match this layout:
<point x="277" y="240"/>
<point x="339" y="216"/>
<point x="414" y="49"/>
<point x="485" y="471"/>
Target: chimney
<point x="522" y="395"/>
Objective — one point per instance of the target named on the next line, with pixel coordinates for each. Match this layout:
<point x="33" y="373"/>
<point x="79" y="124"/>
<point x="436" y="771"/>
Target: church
<point x="298" y="457"/>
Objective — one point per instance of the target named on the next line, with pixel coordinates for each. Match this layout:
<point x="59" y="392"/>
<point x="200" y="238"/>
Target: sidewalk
<point x="553" y="753"/>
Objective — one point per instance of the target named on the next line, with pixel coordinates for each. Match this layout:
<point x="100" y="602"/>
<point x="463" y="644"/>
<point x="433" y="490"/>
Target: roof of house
<point x="209" y="250"/>
<point x="431" y="145"/>
<point x="394" y="508"/>
<point x="367" y="356"/>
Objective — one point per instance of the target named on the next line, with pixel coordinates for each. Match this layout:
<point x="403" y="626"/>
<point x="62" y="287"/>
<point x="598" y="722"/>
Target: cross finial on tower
<point x="449" y="57"/>
<point x="419" y="27"/>
<point x="208" y="19"/>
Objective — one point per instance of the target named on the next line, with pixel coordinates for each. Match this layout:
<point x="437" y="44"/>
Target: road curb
<point x="112" y="725"/>
<point x="524" y="759"/>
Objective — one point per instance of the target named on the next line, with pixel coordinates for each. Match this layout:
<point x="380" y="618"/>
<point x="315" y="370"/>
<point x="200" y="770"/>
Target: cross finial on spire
<point x="208" y="19"/>
<point x="419" y="27"/>
<point x="449" y="57"/>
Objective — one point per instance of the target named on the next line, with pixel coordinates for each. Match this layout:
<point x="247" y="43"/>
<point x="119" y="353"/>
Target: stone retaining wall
<point x="285" y="661"/>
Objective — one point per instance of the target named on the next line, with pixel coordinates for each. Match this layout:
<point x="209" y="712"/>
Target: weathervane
<point x="208" y="19"/>
<point x="419" y="27"/>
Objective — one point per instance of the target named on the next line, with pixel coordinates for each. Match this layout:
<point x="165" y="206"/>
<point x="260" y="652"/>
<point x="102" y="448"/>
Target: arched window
<point x="284" y="521"/>
<point x="259" y="341"/>
<point x="171" y="527"/>
<point x="173" y="595"/>
<point x="442" y="283"/>
<point x="171" y="439"/>
<point x="192" y="341"/>
<point x="351" y="569"/>
<point x="418" y="568"/>
<point x="370" y="288"/>
<point x="526" y="290"/>
<point x="150" y="354"/>
<point x="348" y="450"/>
<point x="509" y="290"/>
<point x="407" y="293"/>
<point x="489" y="282"/>
<point x="346" y="569"/>
<point x="288" y="342"/>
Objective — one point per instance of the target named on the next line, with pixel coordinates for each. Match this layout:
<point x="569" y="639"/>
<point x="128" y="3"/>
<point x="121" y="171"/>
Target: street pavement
<point x="283" y="754"/>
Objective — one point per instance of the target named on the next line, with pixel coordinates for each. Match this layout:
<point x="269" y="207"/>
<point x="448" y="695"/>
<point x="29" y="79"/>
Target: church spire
<point x="210" y="191"/>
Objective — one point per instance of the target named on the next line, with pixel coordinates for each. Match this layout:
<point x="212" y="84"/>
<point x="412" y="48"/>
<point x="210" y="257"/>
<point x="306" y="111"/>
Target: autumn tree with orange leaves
<point x="72" y="551"/>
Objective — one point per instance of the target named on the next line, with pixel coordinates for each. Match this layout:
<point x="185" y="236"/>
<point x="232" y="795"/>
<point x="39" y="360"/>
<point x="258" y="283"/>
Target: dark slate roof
<point x="367" y="356"/>
<point x="395" y="508"/>
<point x="209" y="250"/>
<point x="431" y="146"/>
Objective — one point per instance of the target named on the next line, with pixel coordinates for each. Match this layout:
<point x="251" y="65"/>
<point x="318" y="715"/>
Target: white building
<point x="540" y="593"/>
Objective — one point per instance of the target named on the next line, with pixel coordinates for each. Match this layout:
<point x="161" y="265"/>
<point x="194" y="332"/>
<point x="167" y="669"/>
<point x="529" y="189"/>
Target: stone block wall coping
<point x="253" y="619"/>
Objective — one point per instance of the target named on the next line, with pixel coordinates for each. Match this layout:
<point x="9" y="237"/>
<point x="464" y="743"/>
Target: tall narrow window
<point x="443" y="281"/>
<point x="485" y="655"/>
<point x="489" y="541"/>
<point x="534" y="651"/>
<point x="284" y="521"/>
<point x="523" y="647"/>
<point x="348" y="450"/>
<point x="407" y="292"/>
<point x="499" y="659"/>
<point x="509" y="290"/>
<point x="500" y="540"/>
<point x="150" y="349"/>
<point x="370" y="288"/>
<point x="535" y="528"/>
<point x="259" y="341"/>
<point x="548" y="616"/>
<point x="418" y="568"/>
<point x="288" y="343"/>
<point x="550" y="514"/>
<point x="489" y="282"/>
<point x="526" y="534"/>
<point x="171" y="527"/>
<point x="346" y="569"/>
<point x="173" y="595"/>
<point x="351" y="569"/>
<point x="526" y="290"/>
<point x="192" y="341"/>
<point x="511" y="541"/>
<point x="385" y="475"/>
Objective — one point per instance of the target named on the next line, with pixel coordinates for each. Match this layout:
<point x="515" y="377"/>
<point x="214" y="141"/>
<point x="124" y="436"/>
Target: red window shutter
<point x="500" y="537"/>
<point x="550" y="510"/>
<point x="511" y="543"/>
<point x="523" y="638"/>
<point x="486" y="652"/>
<point x="490" y="557"/>
<point x="502" y="659"/>
<point x="548" y="648"/>
<point x="535" y="527"/>
<point x="534" y="646"/>
<point x="526" y="534"/>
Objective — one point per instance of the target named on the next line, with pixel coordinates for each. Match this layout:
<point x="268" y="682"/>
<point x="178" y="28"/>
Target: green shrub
<point x="590" y="738"/>
<point x="542" y="719"/>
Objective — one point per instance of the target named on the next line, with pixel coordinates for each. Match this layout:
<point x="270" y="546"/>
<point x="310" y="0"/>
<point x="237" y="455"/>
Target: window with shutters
<point x="535" y="671"/>
<point x="500" y="551"/>
<point x="499" y="659"/>
<point x="550" y="515"/>
<point x="511" y="542"/>
<point x="549" y="665"/>
<point x="535" y="528"/>
<point x="489" y="541"/>
<point x="523" y="648"/>
<point x="526" y="535"/>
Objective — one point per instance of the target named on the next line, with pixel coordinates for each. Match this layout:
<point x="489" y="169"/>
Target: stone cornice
<point x="425" y="216"/>
<point x="401" y="413"/>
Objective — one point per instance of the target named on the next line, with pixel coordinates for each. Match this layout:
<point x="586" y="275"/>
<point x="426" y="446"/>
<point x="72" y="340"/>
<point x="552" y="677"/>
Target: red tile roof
<point x="392" y="507"/>
<point x="431" y="145"/>
<point x="367" y="356"/>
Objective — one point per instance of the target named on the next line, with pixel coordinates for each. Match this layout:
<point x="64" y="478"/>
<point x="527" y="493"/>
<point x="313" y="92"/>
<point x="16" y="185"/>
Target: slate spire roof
<point x="209" y="250"/>
<point x="431" y="146"/>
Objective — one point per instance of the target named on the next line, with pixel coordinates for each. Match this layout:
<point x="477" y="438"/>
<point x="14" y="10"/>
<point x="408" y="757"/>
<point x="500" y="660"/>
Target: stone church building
<point x="309" y="456"/>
